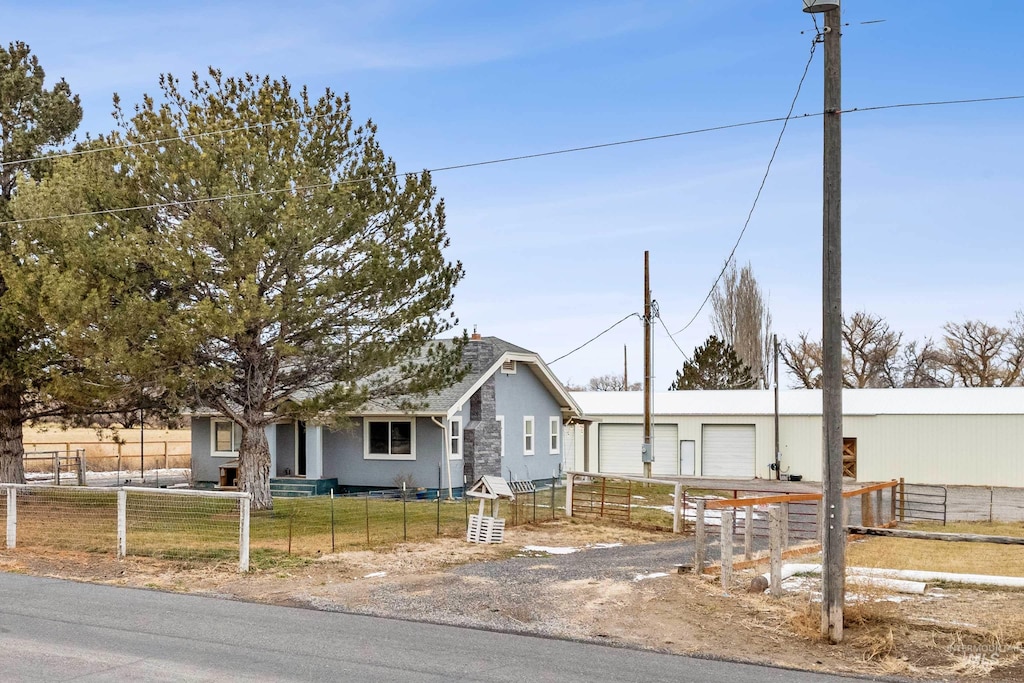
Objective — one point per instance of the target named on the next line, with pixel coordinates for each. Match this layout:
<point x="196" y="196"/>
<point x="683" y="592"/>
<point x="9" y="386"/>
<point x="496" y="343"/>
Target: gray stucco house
<point x="505" y="418"/>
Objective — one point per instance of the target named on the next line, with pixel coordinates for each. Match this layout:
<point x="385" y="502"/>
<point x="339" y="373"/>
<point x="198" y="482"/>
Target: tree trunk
<point x="254" y="465"/>
<point x="12" y="447"/>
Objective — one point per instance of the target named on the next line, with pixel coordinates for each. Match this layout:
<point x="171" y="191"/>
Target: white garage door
<point x="619" y="449"/>
<point x="728" y="451"/>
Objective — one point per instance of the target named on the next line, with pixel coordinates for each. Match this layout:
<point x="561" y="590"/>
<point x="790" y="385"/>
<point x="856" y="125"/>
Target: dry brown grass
<point x="944" y="556"/>
<point x="103" y="445"/>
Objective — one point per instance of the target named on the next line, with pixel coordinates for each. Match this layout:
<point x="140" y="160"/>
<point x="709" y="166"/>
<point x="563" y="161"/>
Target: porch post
<point x="314" y="451"/>
<point x="271" y="431"/>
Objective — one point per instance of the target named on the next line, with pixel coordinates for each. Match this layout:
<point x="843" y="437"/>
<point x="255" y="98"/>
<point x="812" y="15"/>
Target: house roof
<point x="484" y="357"/>
<point x="955" y="401"/>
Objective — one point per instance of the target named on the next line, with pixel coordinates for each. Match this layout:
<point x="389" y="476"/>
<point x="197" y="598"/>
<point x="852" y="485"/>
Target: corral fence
<point x="63" y="466"/>
<point x="793" y="522"/>
<point x="638" y="501"/>
<point x="105" y="456"/>
<point x="922" y="503"/>
<point x="175" y="523"/>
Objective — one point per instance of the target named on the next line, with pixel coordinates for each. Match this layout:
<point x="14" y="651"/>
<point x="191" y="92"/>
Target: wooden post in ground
<point x="784" y="511"/>
<point x="892" y="504"/>
<point x="903" y="498"/>
<point x="726" y="548"/>
<point x="866" y="518"/>
<point x="122" y="523"/>
<point x="748" y="534"/>
<point x="700" y="539"/>
<point x="775" y="549"/>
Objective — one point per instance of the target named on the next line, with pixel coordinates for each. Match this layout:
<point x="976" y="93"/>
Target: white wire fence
<point x="167" y="523"/>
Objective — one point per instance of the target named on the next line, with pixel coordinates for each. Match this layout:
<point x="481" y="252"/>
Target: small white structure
<point x="488" y="528"/>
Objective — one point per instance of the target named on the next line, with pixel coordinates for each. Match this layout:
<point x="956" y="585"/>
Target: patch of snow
<point x="639" y="497"/>
<point x="652" y="575"/>
<point x="603" y="545"/>
<point x="549" y="550"/>
<point x="375" y="575"/>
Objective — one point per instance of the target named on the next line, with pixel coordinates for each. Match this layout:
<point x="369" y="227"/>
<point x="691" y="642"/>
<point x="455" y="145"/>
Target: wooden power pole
<point x="648" y="453"/>
<point x="778" y="451"/>
<point x="833" y="534"/>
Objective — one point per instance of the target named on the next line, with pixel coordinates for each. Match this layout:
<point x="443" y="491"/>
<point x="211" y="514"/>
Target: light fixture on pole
<point x="819" y="6"/>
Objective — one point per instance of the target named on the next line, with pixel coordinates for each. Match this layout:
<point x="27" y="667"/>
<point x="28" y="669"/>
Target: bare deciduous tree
<point x="740" y="318"/>
<point x="924" y="366"/>
<point x="803" y="358"/>
<point x="611" y="382"/>
<point x="983" y="355"/>
<point x="870" y="352"/>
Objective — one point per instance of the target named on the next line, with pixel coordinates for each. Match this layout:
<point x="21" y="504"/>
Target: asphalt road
<point x="54" y="630"/>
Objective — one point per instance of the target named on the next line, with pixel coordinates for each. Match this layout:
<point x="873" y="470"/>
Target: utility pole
<point x="625" y="369"/>
<point x="778" y="451"/>
<point x="833" y="584"/>
<point x="647" y="452"/>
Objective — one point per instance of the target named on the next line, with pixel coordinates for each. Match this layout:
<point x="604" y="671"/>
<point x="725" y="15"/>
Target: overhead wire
<point x="595" y="338"/>
<point x="760" y="189"/>
<point x="569" y="150"/>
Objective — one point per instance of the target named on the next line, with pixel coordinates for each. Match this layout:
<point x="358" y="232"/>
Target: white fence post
<point x="12" y="518"/>
<point x="244" y="505"/>
<point x="726" y="548"/>
<point x="568" y="493"/>
<point x="122" y="523"/>
<point x="677" y="509"/>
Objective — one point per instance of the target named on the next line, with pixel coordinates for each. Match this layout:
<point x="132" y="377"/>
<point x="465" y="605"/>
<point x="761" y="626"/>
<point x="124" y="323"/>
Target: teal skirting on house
<point x="291" y="487"/>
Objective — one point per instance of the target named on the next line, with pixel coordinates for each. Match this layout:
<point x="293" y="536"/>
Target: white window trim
<point x="554" y="435"/>
<point x="455" y="453"/>
<point x="388" y="456"/>
<point x="501" y="422"/>
<point x="213" y="438"/>
<point x="529" y="436"/>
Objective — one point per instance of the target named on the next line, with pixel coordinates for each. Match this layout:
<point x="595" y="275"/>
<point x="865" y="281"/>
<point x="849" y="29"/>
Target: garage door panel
<point x="619" y="449"/>
<point x="728" y="451"/>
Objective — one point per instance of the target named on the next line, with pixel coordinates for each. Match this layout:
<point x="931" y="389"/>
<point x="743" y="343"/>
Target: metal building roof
<point x="956" y="401"/>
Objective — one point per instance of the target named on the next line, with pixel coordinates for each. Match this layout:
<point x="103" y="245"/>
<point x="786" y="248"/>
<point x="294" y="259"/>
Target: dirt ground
<point x="953" y="633"/>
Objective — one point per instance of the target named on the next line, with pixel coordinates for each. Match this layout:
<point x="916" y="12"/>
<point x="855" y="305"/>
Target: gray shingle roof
<point x="480" y="355"/>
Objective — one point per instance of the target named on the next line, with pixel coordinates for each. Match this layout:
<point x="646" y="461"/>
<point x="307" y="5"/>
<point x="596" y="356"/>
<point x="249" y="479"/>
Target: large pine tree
<point x="286" y="265"/>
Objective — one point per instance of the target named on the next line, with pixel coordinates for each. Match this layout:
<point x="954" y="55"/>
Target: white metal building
<point x="928" y="436"/>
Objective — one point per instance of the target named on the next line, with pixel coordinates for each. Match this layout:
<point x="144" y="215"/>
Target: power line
<point x="592" y="339"/>
<point x="502" y="160"/>
<point x="674" y="342"/>
<point x="760" y="189"/>
<point x="160" y="141"/>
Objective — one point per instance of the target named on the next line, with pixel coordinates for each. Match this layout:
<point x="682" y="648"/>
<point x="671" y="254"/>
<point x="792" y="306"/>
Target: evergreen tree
<point x="33" y="120"/>
<point x="714" y="366"/>
<point x="282" y="265"/>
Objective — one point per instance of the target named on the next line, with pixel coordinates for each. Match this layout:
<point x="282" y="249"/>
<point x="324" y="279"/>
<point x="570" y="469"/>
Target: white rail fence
<point x="126" y="520"/>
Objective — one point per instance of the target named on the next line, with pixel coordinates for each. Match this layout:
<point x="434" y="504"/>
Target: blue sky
<point x="553" y="247"/>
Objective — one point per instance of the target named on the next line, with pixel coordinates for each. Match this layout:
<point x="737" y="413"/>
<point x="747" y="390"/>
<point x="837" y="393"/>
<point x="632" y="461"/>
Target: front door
<point x="300" y="448"/>
<point x="687" y="457"/>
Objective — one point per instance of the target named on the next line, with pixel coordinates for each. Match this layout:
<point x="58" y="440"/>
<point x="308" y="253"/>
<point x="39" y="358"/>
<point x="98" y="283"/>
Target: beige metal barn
<point x="961" y="436"/>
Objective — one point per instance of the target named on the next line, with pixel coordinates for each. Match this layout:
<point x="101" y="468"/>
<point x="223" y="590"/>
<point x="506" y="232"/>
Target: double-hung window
<point x="555" y="425"/>
<point x="389" y="440"/>
<point x="227" y="437"/>
<point x="455" y="436"/>
<point x="528" y="435"/>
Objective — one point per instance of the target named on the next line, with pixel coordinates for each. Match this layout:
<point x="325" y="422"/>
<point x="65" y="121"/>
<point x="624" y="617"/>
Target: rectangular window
<point x="227" y="437"/>
<point x="555" y="430"/>
<point x="389" y="440"/>
<point x="528" y="435"/>
<point x="455" y="434"/>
